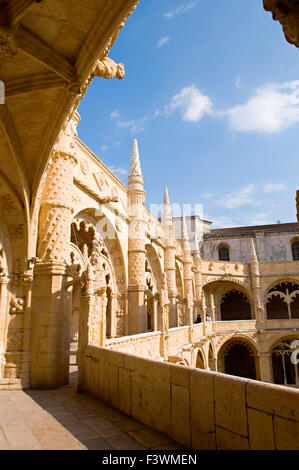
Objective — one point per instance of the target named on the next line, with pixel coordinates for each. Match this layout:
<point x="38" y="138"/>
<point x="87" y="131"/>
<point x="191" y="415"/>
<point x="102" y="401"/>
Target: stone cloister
<point x="83" y="261"/>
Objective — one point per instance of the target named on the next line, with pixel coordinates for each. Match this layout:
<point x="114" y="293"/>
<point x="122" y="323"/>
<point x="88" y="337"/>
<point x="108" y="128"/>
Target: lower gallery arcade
<point x="109" y="273"/>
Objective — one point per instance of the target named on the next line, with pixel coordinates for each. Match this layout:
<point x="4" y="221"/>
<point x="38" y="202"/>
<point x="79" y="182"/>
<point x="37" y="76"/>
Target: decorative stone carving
<point x="3" y="267"/>
<point x="16" y="306"/>
<point x="16" y="231"/>
<point x="65" y="142"/>
<point x="84" y="166"/>
<point x="107" y="68"/>
<point x="15" y="340"/>
<point x="8" y="44"/>
<point x="56" y="211"/>
<point x="287" y="13"/>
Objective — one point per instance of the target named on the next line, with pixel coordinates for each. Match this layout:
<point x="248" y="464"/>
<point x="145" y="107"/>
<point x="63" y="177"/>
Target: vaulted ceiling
<point x="287" y="13"/>
<point x="47" y="51"/>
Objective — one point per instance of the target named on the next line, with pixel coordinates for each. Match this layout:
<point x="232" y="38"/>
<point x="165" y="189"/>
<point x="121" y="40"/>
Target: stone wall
<point x="198" y="409"/>
<point x="270" y="247"/>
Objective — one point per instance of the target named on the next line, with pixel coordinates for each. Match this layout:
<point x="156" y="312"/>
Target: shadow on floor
<point x="92" y="424"/>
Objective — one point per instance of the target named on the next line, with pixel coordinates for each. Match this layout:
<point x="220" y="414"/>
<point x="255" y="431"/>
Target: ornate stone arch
<point x="284" y="358"/>
<point x="237" y="336"/>
<point x="221" y="287"/>
<point x="245" y="351"/>
<point x="197" y="352"/>
<point x="279" y="281"/>
<point x="153" y="265"/>
<point x="282" y="299"/>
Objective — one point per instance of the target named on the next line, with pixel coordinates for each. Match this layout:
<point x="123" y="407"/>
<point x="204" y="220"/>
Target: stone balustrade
<point x="284" y="324"/>
<point x="197" y="332"/>
<point x="236" y="325"/>
<point x="144" y="344"/>
<point x="198" y="409"/>
<point x="177" y="338"/>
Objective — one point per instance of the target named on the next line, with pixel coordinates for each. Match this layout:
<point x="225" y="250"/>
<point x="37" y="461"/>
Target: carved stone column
<point x="163" y="317"/>
<point x="169" y="266"/>
<point x="27" y="279"/>
<point x="169" y="259"/>
<point x="266" y="370"/>
<point x="51" y="300"/>
<point x="113" y="324"/>
<point x="4" y="301"/>
<point x="137" y="313"/>
<point x="259" y="310"/>
<point x="51" y="326"/>
<point x="91" y="323"/>
<point x="56" y="212"/>
<point x="198" y="281"/>
<point x="188" y="279"/>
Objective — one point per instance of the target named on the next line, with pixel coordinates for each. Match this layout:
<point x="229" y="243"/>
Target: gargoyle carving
<point x="107" y="68"/>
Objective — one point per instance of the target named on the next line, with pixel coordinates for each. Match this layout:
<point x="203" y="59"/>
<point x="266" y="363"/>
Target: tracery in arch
<point x="285" y="369"/>
<point x="283" y="301"/>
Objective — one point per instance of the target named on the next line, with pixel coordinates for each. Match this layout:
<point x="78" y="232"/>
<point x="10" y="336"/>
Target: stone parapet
<point x="198" y="409"/>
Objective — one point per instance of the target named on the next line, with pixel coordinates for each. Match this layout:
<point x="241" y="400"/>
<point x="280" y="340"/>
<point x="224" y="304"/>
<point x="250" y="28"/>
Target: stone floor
<point x="63" y="419"/>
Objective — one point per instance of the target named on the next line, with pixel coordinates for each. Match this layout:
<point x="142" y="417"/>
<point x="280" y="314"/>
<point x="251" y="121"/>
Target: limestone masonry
<point x="160" y="309"/>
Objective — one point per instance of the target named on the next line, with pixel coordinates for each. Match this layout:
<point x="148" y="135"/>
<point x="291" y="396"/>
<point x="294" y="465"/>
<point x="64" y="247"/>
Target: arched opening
<point x="295" y="250"/>
<point x="153" y="274"/>
<point x="200" y="361"/>
<point x="237" y="357"/>
<point x="89" y="248"/>
<point x="235" y="306"/>
<point x="223" y="253"/>
<point x="285" y="369"/>
<point x="283" y="301"/>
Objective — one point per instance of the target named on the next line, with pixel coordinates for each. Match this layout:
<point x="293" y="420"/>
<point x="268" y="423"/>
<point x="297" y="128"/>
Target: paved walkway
<point x="63" y="419"/>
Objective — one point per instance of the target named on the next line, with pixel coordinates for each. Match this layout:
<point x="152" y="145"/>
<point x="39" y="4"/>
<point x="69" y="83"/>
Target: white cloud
<point x="184" y="8"/>
<point x="118" y="170"/>
<point x="114" y="115"/>
<point x="104" y="148"/>
<point x="163" y="41"/>
<point x="238" y="81"/>
<point x="135" y="125"/>
<point x="272" y="108"/>
<point x="275" y="187"/>
<point x="239" y="198"/>
<point x="192" y="104"/>
<point x="222" y="222"/>
<point x="207" y="196"/>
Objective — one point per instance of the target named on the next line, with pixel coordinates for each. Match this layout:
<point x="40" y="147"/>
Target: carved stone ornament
<point x="16" y="306"/>
<point x="107" y="68"/>
<point x="8" y="45"/>
<point x="84" y="166"/>
<point x="65" y="142"/>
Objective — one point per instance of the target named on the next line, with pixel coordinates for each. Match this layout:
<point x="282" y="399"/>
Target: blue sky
<point x="211" y="93"/>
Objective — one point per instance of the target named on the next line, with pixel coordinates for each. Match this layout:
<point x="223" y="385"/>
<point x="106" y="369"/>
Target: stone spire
<point x="254" y="262"/>
<point x="166" y="217"/>
<point x="196" y="247"/>
<point x="135" y="168"/>
<point x="136" y="195"/>
<point x="185" y="236"/>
